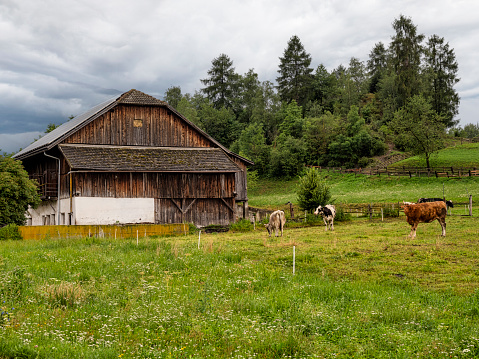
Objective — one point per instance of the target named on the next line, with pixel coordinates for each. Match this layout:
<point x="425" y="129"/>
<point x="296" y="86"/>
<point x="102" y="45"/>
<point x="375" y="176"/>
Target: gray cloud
<point x="61" y="58"/>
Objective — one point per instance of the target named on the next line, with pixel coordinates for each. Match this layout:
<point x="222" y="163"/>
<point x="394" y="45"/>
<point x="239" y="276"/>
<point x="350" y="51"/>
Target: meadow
<point x="364" y="290"/>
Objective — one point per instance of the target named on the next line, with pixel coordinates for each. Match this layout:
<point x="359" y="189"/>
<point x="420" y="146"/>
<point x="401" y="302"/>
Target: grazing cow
<point x="328" y="213"/>
<point x="277" y="220"/>
<point x="425" y="212"/>
<point x="424" y="200"/>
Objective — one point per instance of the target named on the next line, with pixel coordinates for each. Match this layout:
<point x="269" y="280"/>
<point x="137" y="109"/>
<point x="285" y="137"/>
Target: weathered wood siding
<point x="153" y="185"/>
<point x="201" y="211"/>
<point x="198" y="198"/>
<point x="130" y="125"/>
<point x="241" y="181"/>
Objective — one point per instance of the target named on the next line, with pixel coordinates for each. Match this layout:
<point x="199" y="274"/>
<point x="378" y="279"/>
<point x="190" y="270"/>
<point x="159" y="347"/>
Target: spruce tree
<point x="222" y="83"/>
<point x="294" y="80"/>
<point x="441" y="75"/>
<point x="406" y="52"/>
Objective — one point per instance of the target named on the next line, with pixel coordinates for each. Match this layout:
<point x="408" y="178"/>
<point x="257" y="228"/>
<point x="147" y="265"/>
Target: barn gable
<point x="135" y="151"/>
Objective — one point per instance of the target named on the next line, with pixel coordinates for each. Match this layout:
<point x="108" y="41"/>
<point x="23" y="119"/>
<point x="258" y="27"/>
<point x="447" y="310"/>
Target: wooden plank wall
<point x="129" y="125"/>
<point x="201" y="212"/>
<point x="152" y="185"/>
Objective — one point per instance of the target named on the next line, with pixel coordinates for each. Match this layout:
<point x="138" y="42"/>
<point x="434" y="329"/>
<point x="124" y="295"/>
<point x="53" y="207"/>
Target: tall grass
<point x="364" y="290"/>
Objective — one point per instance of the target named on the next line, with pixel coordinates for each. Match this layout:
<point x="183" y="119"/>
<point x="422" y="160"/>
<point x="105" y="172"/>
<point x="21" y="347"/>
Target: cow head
<point x="268" y="228"/>
<point x="323" y="211"/>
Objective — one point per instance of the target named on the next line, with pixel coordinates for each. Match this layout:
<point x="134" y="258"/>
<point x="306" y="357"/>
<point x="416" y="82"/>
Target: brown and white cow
<point x="328" y="213"/>
<point x="425" y="212"/>
<point x="277" y="220"/>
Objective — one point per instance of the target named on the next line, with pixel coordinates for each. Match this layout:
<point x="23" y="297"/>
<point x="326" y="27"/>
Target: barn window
<point x="137" y="123"/>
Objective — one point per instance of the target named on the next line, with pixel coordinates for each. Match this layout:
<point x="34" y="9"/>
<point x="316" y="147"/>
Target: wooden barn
<point x="134" y="159"/>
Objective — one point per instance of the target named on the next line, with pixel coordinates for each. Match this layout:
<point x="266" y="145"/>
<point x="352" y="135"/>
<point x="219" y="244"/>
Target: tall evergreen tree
<point x="406" y="52"/>
<point x="441" y="75"/>
<point x="267" y="105"/>
<point x="324" y="88"/>
<point x="222" y="83"/>
<point x="376" y="66"/>
<point x="250" y="86"/>
<point x="294" y="78"/>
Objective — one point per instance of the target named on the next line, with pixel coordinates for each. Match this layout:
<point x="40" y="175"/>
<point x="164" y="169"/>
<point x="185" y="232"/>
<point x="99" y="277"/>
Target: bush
<point x="10" y="231"/>
<point x="341" y="216"/>
<point x="243" y="225"/>
<point x="312" y="191"/>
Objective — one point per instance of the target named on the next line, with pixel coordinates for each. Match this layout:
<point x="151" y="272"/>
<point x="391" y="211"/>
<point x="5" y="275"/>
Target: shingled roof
<point x="147" y="159"/>
<point x="132" y="97"/>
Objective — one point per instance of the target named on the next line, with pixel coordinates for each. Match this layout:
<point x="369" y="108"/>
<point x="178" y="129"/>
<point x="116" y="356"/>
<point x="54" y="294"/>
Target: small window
<point x="137" y="123"/>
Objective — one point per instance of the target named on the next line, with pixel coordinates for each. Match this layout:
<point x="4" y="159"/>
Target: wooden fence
<point x="386" y="210"/>
<point x="110" y="231"/>
<point x="448" y="172"/>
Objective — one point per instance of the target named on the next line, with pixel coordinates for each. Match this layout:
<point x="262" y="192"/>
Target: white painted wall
<point x="46" y="213"/>
<point x="96" y="210"/>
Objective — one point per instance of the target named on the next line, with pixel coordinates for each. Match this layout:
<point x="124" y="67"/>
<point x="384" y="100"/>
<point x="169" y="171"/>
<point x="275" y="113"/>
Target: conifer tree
<point x="441" y="75"/>
<point x="294" y="80"/>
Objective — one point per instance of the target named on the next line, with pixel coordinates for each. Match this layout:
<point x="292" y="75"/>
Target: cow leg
<point x="332" y="224"/>
<point x="413" y="231"/>
<point x="326" y="223"/>
<point x="281" y="227"/>
<point x="442" y="222"/>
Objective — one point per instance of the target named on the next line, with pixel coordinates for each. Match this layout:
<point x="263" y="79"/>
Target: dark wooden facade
<point x="194" y="193"/>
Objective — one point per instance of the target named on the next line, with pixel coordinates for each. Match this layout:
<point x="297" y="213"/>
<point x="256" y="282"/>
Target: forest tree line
<point x="402" y="95"/>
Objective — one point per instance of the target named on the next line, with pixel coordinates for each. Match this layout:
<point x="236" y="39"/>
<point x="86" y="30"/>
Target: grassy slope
<point x="466" y="155"/>
<point x="366" y="189"/>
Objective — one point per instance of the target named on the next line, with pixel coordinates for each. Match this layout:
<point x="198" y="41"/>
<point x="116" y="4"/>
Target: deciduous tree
<point x="17" y="192"/>
<point x="419" y="128"/>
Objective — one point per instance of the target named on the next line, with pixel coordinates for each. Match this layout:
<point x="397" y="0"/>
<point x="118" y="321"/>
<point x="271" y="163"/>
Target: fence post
<point x="470" y="205"/>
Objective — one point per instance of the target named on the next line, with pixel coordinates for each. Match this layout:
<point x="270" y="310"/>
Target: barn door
<point x="200" y="211"/>
<point x="173" y="210"/>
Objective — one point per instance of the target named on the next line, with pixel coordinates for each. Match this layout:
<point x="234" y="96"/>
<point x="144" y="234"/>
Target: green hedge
<point x="10" y="231"/>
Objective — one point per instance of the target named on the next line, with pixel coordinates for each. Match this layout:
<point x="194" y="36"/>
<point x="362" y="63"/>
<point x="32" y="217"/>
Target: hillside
<point x="456" y="155"/>
<point x="351" y="188"/>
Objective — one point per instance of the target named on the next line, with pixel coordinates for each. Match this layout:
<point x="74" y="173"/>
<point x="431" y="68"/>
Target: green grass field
<point x="466" y="155"/>
<point x="350" y="188"/>
<point x="363" y="291"/>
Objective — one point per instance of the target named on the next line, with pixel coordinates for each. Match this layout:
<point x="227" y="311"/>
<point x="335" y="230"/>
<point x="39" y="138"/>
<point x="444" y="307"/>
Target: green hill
<point x="466" y="155"/>
<point x="350" y="188"/>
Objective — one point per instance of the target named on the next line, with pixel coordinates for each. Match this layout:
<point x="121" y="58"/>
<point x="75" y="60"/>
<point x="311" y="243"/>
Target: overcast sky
<point x="61" y="57"/>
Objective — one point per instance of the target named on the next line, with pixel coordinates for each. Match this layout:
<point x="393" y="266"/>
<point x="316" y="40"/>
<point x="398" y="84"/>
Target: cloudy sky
<point x="61" y="57"/>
